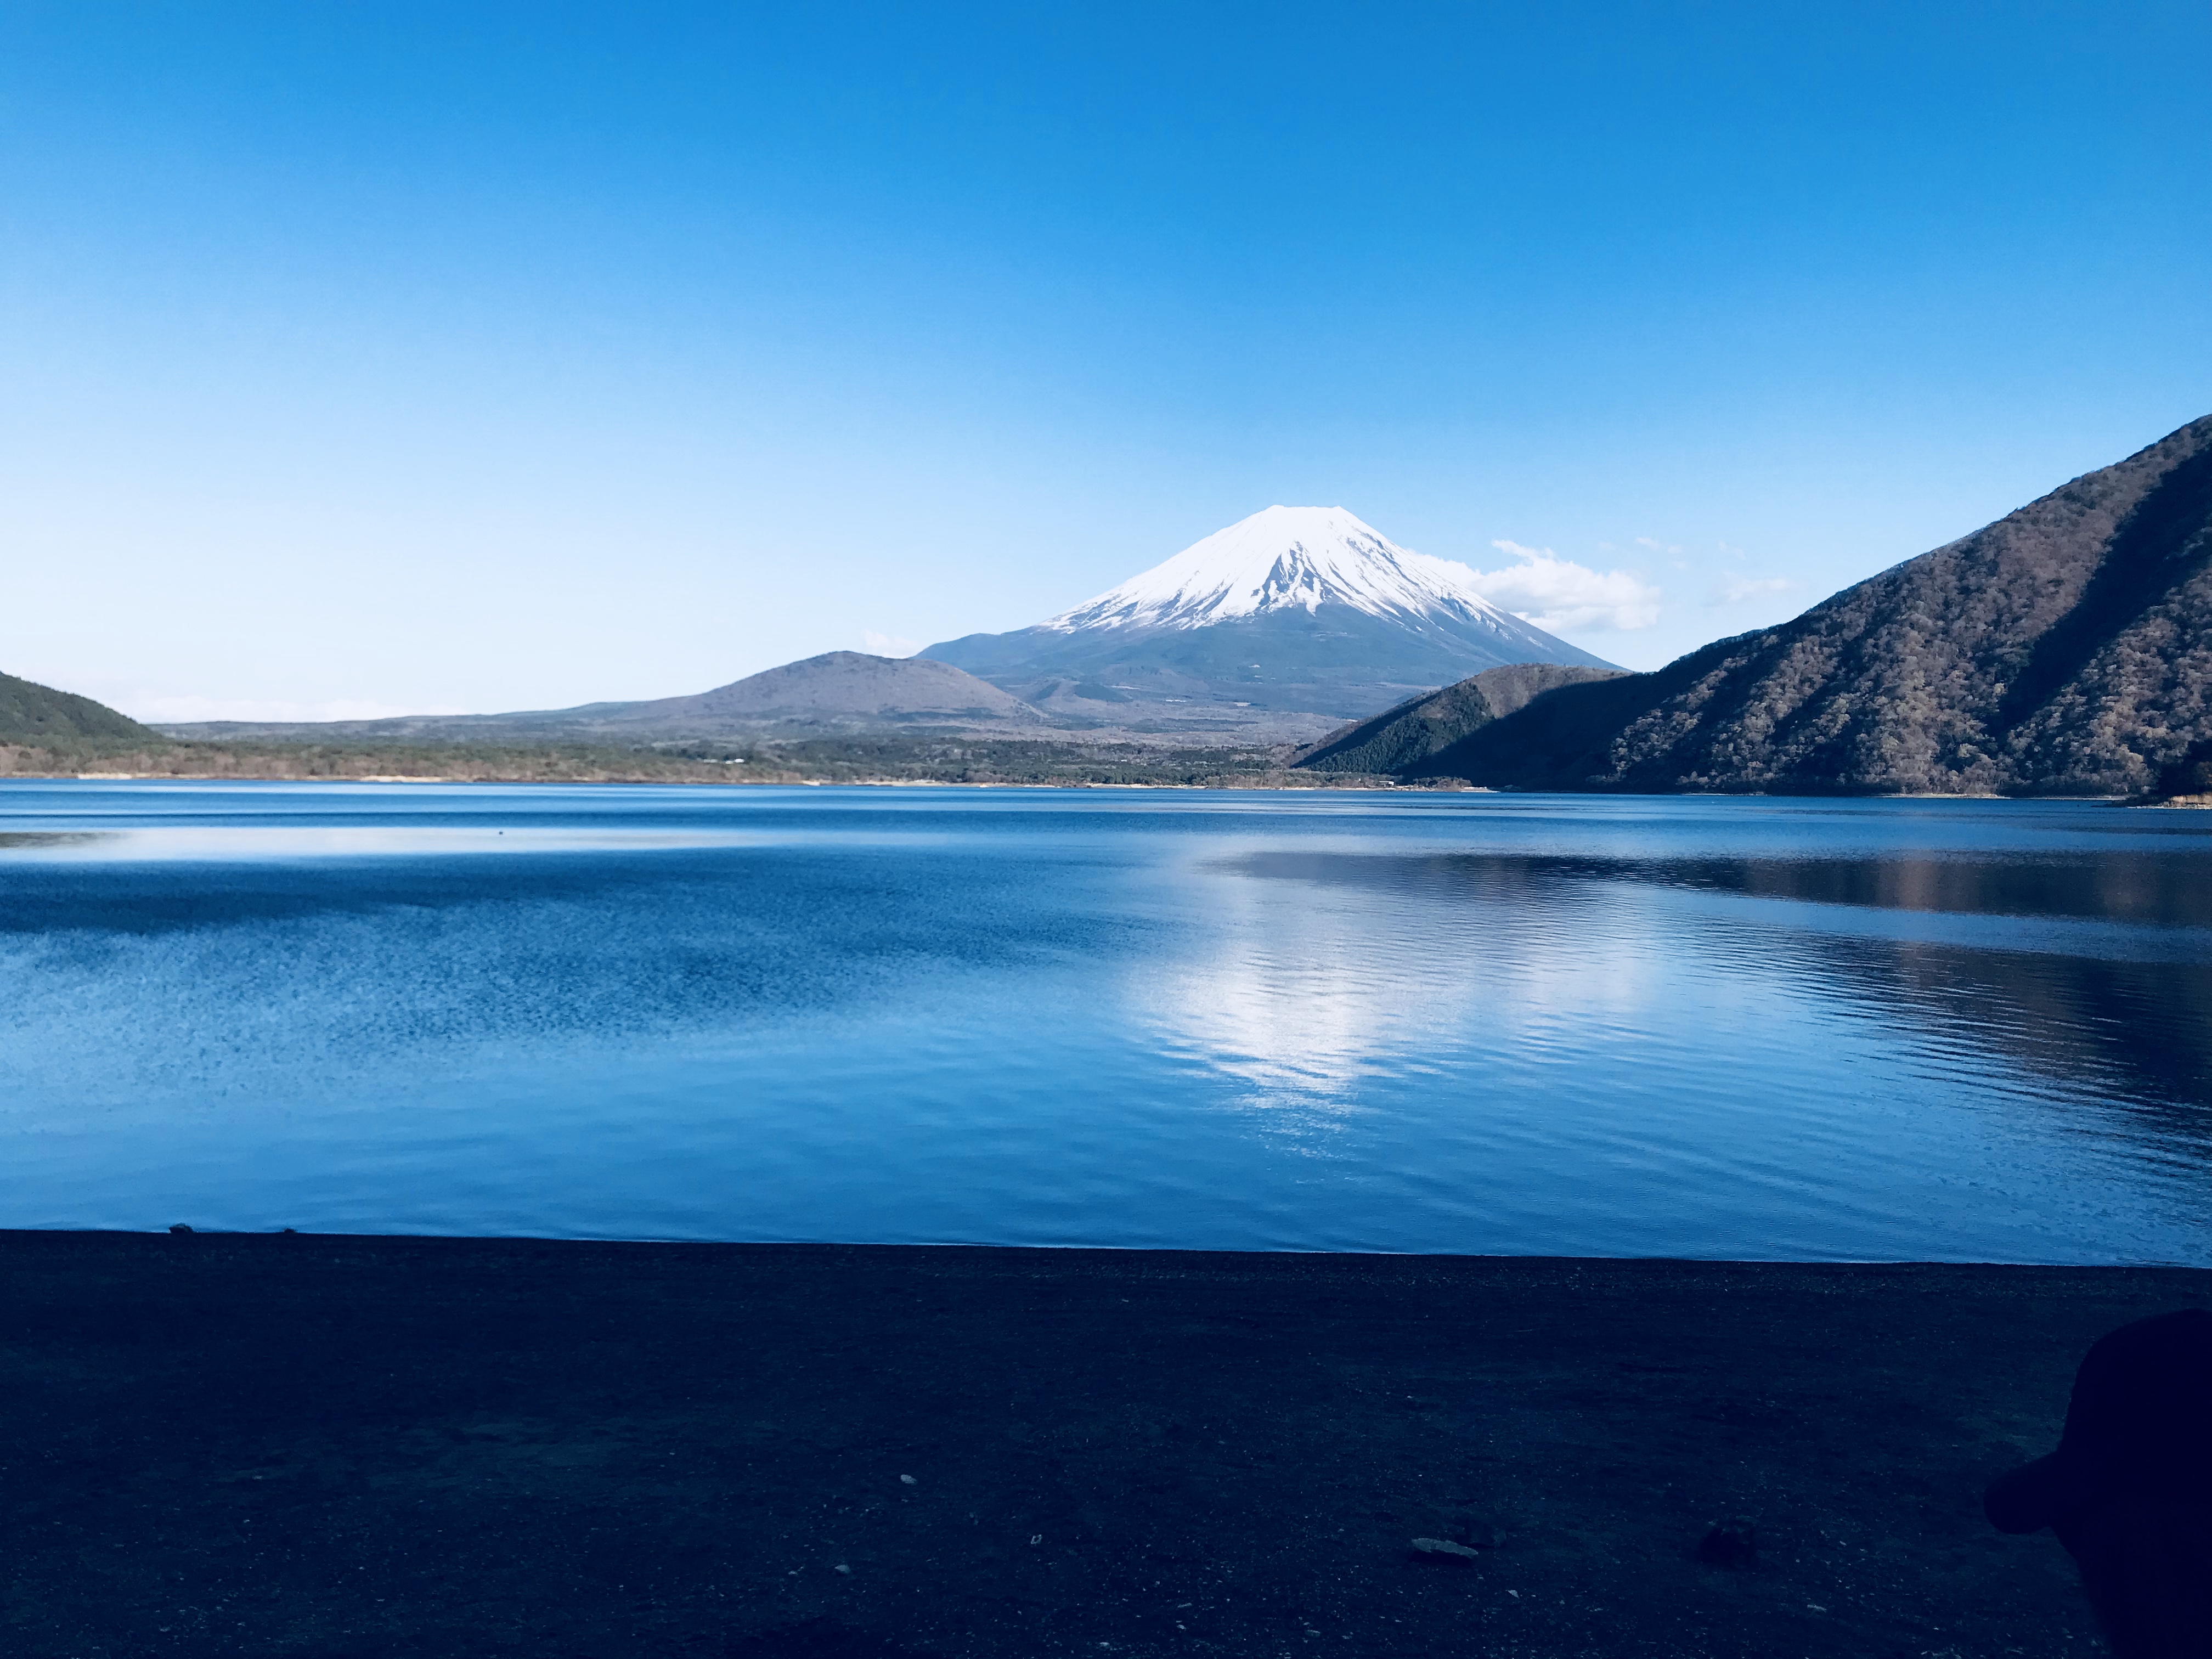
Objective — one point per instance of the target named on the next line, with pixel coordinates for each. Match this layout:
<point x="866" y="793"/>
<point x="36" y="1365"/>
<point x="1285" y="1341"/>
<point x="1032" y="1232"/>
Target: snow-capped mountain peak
<point x="1293" y="612"/>
<point x="1285" y="558"/>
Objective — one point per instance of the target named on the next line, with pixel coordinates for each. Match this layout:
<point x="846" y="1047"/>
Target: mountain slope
<point x="34" y="713"/>
<point x="1299" y="611"/>
<point x="1400" y="738"/>
<point x="2067" y="648"/>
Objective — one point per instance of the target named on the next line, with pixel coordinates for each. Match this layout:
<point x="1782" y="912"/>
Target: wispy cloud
<point x="1560" y="596"/>
<point x="1734" y="590"/>
<point x="887" y="645"/>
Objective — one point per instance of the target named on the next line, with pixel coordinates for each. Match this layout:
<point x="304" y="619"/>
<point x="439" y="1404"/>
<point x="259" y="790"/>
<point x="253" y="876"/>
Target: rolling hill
<point x="839" y="691"/>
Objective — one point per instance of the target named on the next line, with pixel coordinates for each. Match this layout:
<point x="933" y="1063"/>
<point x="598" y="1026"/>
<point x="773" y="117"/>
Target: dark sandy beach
<point x="220" y="1444"/>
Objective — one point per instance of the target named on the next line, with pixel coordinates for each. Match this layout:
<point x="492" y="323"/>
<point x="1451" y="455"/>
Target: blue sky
<point x="371" y="357"/>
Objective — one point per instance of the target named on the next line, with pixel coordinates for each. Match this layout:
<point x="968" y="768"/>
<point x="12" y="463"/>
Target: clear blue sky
<point x="387" y="356"/>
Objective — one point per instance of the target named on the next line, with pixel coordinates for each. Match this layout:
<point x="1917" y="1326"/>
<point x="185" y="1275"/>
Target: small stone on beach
<point x="1730" y="1544"/>
<point x="1445" y="1547"/>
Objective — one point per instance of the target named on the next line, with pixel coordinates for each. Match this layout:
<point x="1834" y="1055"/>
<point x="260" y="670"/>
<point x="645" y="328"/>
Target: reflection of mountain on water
<point x="2166" y="889"/>
<point x="2139" y="1031"/>
<point x="1296" y="1000"/>
<point x="1301" y="1000"/>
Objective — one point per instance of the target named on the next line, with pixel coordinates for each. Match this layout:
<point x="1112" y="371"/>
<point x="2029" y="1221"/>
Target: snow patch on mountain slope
<point x="1287" y="558"/>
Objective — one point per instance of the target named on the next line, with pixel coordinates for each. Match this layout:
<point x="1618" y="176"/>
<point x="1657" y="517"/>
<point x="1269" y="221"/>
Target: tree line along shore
<point x="897" y="760"/>
<point x="891" y="760"/>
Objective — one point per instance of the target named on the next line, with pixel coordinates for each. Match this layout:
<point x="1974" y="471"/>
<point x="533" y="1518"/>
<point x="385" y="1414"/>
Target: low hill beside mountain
<point x="1400" y="738"/>
<point x="839" y="691"/>
<point x="38" y="714"/>
<point x="2065" y="649"/>
<point x="837" y="688"/>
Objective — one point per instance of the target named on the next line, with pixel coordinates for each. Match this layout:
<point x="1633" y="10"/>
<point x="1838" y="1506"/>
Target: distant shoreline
<point x="1333" y="785"/>
<point x="879" y="759"/>
<point x="1323" y="783"/>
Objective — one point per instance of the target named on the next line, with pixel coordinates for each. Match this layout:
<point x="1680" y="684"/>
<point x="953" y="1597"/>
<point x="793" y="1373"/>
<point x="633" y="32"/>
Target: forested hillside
<point x="34" y="713"/>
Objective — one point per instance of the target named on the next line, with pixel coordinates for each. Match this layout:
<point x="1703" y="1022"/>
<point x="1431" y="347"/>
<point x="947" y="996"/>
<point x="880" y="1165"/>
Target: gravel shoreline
<point x="308" y="1445"/>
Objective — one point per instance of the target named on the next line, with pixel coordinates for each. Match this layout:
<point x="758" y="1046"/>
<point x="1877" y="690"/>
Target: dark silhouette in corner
<point x="2129" y="1491"/>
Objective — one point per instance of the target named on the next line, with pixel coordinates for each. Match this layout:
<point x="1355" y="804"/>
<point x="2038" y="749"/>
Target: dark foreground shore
<point x="302" y="1446"/>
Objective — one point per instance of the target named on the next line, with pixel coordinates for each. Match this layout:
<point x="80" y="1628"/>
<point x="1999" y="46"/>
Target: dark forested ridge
<point x="34" y="713"/>
<point x="2065" y="649"/>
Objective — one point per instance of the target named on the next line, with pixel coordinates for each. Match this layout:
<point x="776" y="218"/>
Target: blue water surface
<point x="1329" y="1020"/>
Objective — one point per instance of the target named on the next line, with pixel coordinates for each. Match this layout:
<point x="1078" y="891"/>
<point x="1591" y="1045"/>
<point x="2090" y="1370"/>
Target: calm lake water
<point x="1327" y="1021"/>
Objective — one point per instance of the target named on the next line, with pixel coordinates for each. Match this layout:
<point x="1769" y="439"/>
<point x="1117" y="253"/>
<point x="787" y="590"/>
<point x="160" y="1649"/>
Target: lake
<point x="1329" y="1020"/>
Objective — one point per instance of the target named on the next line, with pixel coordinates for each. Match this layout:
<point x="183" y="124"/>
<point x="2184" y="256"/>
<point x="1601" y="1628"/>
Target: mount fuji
<point x="1294" y="611"/>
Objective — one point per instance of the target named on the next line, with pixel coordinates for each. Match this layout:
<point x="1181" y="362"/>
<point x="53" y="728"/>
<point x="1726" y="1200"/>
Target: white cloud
<point x="1562" y="596"/>
<point x="173" y="710"/>
<point x="1736" y="589"/>
<point x="887" y="645"/>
